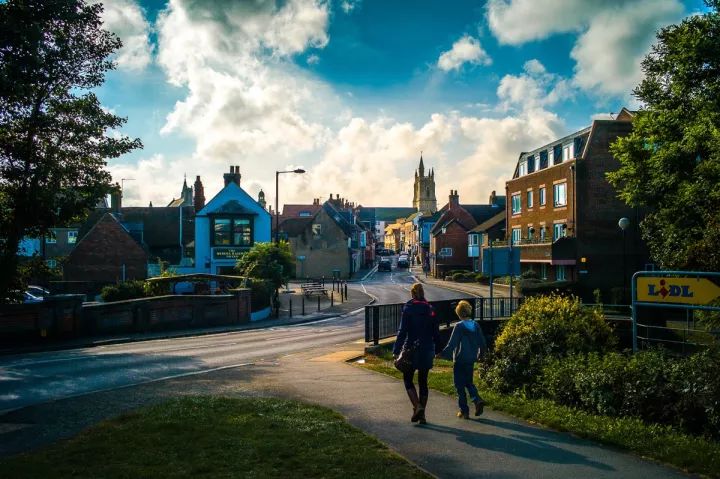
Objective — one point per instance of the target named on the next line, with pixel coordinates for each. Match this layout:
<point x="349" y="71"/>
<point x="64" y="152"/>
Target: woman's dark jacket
<point x="419" y="324"/>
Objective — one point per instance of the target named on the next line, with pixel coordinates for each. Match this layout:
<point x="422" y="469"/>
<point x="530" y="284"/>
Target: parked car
<point x="37" y="291"/>
<point x="31" y="298"/>
<point x="403" y="262"/>
<point x="384" y="265"/>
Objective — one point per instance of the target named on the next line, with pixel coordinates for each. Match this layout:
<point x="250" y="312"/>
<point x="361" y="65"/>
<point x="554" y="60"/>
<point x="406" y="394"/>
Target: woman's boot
<point x="420" y="413"/>
<point x="412" y="394"/>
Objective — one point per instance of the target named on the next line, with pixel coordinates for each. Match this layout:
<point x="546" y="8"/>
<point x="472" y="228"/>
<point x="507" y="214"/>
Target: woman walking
<point x="418" y="326"/>
<point x="466" y="345"/>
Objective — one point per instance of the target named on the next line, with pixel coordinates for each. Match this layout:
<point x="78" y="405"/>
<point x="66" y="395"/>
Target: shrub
<point x="482" y="278"/>
<point x="698" y="387"/>
<point x="544" y="327"/>
<point x="530" y="287"/>
<point x="123" y="291"/>
<point x="463" y="276"/>
<point x="600" y="383"/>
<point x="557" y="381"/>
<point x="529" y="274"/>
<point x="649" y="392"/>
<point x="260" y="294"/>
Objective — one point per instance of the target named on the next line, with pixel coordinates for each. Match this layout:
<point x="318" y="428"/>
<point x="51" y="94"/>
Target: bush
<point x="260" y="294"/>
<point x="529" y="274"/>
<point x="543" y="328"/>
<point x="123" y="291"/>
<point x="482" y="278"/>
<point x="458" y="277"/>
<point x="601" y="382"/>
<point x="698" y="387"/>
<point x="649" y="392"/>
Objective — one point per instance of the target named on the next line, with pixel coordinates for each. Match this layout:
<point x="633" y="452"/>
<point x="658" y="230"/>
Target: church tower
<point x="424" y="192"/>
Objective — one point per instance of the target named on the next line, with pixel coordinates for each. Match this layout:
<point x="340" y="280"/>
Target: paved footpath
<point x="494" y="445"/>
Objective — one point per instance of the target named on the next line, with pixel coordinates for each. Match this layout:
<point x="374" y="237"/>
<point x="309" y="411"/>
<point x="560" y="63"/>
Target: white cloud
<point x="465" y="50"/>
<point x="613" y="35"/>
<point x="349" y="5"/>
<point x="313" y="60"/>
<point x="127" y="20"/>
<point x="535" y="88"/>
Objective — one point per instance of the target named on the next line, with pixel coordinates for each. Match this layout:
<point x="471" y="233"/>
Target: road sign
<point x="501" y="261"/>
<point x="658" y="289"/>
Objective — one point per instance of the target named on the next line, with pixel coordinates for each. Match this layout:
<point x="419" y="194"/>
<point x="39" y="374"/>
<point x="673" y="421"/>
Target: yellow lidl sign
<point x="676" y="290"/>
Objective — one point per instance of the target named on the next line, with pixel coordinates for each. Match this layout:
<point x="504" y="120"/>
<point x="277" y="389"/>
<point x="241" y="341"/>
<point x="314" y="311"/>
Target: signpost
<point x="689" y="290"/>
<point x="503" y="261"/>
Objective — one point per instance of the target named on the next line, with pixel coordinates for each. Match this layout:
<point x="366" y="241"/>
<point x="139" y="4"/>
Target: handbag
<point x="404" y="361"/>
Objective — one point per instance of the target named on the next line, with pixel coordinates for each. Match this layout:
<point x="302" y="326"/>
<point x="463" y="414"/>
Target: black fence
<point x="383" y="320"/>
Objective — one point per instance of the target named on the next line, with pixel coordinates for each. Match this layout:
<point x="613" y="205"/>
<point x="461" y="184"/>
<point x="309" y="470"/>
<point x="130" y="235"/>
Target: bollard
<point x="318" y="303"/>
<point x="303" y="304"/>
<point x="346" y="290"/>
<point x="332" y="299"/>
<point x="290" y="310"/>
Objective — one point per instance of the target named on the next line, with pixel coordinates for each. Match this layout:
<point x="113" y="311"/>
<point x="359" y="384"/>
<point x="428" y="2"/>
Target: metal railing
<point x="383" y="320"/>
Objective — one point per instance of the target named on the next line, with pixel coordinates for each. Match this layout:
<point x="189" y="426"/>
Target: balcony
<point x="563" y="251"/>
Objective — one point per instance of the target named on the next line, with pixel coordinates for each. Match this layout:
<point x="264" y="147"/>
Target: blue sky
<point x="354" y="90"/>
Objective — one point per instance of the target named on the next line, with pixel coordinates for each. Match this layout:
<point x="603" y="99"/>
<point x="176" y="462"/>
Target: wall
<point x="323" y="253"/>
<point x="455" y="237"/>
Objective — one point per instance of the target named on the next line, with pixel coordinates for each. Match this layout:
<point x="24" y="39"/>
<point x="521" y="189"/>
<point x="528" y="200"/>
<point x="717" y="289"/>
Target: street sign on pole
<point x="501" y="261"/>
<point x="658" y="289"/>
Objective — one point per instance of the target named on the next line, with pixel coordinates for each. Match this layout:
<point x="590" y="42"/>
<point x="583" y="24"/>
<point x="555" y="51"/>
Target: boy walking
<point x="466" y="345"/>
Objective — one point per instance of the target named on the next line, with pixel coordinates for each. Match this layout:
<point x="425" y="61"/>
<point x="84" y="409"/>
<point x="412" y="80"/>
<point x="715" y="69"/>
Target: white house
<point x="228" y="225"/>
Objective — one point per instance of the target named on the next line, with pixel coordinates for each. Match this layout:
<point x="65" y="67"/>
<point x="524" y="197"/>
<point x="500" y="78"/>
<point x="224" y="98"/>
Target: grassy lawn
<point x="217" y="437"/>
<point x="658" y="442"/>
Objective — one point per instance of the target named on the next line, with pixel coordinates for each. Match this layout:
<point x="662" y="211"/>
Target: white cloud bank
<point x="127" y="20"/>
<point x="465" y="50"/>
<point x="613" y="35"/>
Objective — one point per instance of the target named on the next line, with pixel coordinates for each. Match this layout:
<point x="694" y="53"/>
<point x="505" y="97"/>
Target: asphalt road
<point x="40" y="377"/>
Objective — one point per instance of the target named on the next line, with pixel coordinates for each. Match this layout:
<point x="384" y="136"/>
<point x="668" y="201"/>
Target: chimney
<point x="199" y="199"/>
<point x="116" y="199"/>
<point x="493" y="198"/>
<point x="453" y="200"/>
<point x="234" y="175"/>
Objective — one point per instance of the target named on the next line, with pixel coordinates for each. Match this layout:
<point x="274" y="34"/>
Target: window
<point x="530" y="232"/>
<point x="542" y="196"/>
<point x="516" y="204"/>
<point x="557" y="154"/>
<point x="531" y="163"/>
<point x="72" y="237"/>
<point x="530" y="199"/>
<point x="543" y="159"/>
<point x="578" y="145"/>
<point x="446" y="253"/>
<point x="543" y="271"/>
<point x="473" y="240"/>
<point x="50" y="238"/>
<point x="317" y="230"/>
<point x="560" y="273"/>
<point x="516" y="235"/>
<point x="560" y="194"/>
<point x="304" y="214"/>
<point x="51" y="263"/>
<point x="558" y="231"/>
<point x="522" y="168"/>
<point x="566" y="153"/>
<point x="232" y="232"/>
<point x="543" y="232"/>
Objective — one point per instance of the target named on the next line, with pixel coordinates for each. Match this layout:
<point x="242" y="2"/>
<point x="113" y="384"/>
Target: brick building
<point x="563" y="213"/>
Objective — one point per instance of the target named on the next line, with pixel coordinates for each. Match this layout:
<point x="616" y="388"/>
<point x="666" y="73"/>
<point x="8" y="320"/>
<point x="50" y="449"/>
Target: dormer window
<point x="522" y="168"/>
<point x="232" y="231"/>
<point x="304" y="214"/>
<point x="531" y="164"/>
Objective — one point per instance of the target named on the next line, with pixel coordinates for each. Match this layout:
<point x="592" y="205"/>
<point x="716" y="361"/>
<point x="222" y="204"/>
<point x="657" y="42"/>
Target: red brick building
<point x="106" y="254"/>
<point x="563" y="213"/>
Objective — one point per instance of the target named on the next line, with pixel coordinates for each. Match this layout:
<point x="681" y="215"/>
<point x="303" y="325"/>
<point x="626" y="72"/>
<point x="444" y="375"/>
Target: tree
<point x="670" y="162"/>
<point x="268" y="261"/>
<point x="53" y="143"/>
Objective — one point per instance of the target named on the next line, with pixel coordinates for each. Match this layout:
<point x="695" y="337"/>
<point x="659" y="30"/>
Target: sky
<point x="354" y="90"/>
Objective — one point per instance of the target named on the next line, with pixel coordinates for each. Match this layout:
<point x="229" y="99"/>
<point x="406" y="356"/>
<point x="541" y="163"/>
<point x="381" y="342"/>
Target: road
<point x="40" y="377"/>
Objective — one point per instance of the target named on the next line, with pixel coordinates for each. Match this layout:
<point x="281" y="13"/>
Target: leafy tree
<point x="268" y="261"/>
<point x="53" y="146"/>
<point x="670" y="162"/>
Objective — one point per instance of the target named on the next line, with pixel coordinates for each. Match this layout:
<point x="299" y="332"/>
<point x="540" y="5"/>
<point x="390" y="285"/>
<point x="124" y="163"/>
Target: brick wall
<point x="455" y="237"/>
<point x="323" y="253"/>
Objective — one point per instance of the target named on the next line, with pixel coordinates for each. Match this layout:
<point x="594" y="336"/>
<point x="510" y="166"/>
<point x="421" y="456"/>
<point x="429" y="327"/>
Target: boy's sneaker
<point x="463" y="415"/>
<point x="479" y="405"/>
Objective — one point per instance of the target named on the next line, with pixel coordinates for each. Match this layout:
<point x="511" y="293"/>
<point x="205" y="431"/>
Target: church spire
<point x="421" y="168"/>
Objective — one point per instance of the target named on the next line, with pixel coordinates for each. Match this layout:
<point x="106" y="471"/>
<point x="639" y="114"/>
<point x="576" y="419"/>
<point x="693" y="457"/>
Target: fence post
<point x="502" y="308"/>
<point x="482" y="309"/>
<point x="303" y="305"/>
<point x="290" y="307"/>
<point x="376" y="327"/>
<point x="332" y="298"/>
<point x="346" y="290"/>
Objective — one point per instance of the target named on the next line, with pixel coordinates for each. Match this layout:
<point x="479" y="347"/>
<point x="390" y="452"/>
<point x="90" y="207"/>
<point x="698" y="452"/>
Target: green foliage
<point x="671" y="160"/>
<point x="530" y="274"/>
<point x="261" y="293"/>
<point x="153" y="288"/>
<point x="268" y="261"/>
<point x="544" y="327"/>
<point x="597" y="296"/>
<point x="53" y="140"/>
<point x="535" y="287"/>
<point x="482" y="278"/>
<point x="123" y="291"/>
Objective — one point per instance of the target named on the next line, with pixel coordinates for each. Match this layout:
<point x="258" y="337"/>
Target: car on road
<point x="37" y="291"/>
<point x="403" y="262"/>
<point x="384" y="265"/>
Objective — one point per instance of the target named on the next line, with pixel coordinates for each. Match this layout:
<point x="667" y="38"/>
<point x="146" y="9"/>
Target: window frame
<point x="444" y="252"/>
<point x="74" y="235"/>
<point x="515" y="235"/>
<point x="542" y="196"/>
<point x="51" y="238"/>
<point x="556" y="189"/>
<point x="529" y="199"/>
<point x="560" y="268"/>
<point x="232" y="231"/>
<point x="515" y="210"/>
<point x="558" y="227"/>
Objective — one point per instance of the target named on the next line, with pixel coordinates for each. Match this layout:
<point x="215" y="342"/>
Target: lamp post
<point x="623" y="224"/>
<point x="277" y="210"/>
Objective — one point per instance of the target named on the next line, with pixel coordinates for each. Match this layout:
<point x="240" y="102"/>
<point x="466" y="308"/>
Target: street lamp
<point x="277" y="210"/>
<point x="623" y="224"/>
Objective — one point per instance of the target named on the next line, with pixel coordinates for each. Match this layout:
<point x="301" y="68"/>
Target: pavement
<point x="474" y="289"/>
<point x="493" y="445"/>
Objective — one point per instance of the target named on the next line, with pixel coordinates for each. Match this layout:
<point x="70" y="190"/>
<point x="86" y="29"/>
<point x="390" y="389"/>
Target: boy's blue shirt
<point x="466" y="341"/>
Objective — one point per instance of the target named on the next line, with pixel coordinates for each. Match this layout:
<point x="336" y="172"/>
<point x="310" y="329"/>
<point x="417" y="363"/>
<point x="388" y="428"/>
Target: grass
<point x="659" y="442"/>
<point x="217" y="437"/>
